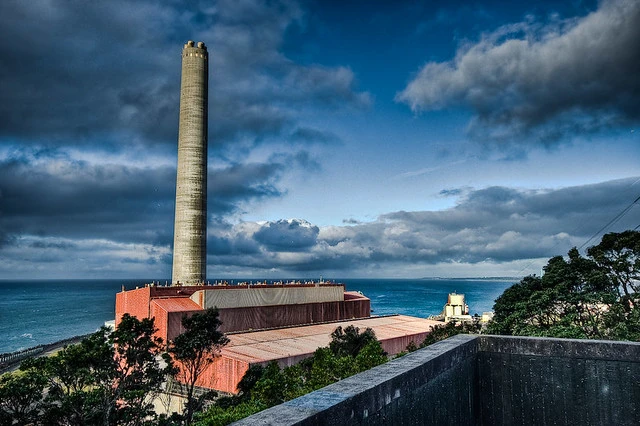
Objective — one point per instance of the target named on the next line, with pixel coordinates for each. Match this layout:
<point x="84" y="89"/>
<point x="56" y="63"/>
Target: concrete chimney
<point x="190" y="228"/>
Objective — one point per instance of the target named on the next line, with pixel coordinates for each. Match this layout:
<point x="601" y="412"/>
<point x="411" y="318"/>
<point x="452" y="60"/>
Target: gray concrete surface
<point x="481" y="380"/>
<point x="190" y="228"/>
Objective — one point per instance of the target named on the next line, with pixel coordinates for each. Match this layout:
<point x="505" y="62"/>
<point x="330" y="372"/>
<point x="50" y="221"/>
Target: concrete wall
<point x="558" y="381"/>
<point x="482" y="380"/>
<point x="434" y="385"/>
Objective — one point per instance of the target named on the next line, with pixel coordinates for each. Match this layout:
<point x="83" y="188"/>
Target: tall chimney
<point x="190" y="228"/>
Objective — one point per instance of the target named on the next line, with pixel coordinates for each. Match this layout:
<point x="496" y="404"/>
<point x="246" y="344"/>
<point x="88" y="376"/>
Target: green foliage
<point x="411" y="347"/>
<point x="350" y="341"/>
<point x="194" y="351"/>
<point x="105" y="379"/>
<point x="593" y="297"/>
<point x="249" y="380"/>
<point x="136" y="372"/>
<point x="21" y="396"/>
<point x="449" y="329"/>
<point x="349" y="353"/>
<point x="619" y="256"/>
<point x="218" y="416"/>
<point x="370" y="356"/>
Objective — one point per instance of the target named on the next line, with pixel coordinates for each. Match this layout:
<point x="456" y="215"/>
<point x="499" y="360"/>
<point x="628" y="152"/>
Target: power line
<point x="611" y="222"/>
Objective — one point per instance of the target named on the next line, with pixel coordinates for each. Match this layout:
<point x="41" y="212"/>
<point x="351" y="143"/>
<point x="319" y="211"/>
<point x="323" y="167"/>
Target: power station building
<point x="284" y="323"/>
<point x="266" y="322"/>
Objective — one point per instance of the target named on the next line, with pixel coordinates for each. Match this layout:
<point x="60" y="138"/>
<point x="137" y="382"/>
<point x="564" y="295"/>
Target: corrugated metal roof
<point x="268" y="345"/>
<point x="176" y="304"/>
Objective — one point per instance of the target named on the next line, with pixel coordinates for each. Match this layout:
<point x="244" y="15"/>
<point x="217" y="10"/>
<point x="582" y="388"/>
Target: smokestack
<point x="190" y="228"/>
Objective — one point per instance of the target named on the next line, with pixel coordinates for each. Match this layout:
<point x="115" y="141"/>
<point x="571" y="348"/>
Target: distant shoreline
<point x="474" y="278"/>
<point x="129" y="281"/>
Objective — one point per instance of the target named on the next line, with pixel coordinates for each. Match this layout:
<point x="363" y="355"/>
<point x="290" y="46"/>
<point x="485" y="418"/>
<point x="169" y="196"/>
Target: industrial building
<point x="268" y="322"/>
<point x="243" y="307"/>
<point x="278" y="322"/>
<point x="288" y="346"/>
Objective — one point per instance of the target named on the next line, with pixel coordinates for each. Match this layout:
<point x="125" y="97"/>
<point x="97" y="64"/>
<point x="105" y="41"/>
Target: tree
<point x="21" y="396"/>
<point x="195" y="350"/>
<point x="349" y="352"/>
<point x="350" y="341"/>
<point x="370" y="356"/>
<point x="136" y="375"/>
<point x="105" y="379"/>
<point x="619" y="256"/>
<point x="593" y="297"/>
<point x="74" y="393"/>
<point x="444" y="331"/>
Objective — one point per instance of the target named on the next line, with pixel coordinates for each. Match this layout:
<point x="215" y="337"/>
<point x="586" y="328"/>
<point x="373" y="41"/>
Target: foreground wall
<point x="558" y="381"/>
<point x="482" y="380"/>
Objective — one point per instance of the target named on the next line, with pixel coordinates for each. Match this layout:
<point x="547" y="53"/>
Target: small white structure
<point x="456" y="309"/>
<point x="486" y="317"/>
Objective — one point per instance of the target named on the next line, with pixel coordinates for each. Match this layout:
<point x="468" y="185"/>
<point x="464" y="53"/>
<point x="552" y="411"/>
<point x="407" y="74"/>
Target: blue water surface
<point x="425" y="297"/>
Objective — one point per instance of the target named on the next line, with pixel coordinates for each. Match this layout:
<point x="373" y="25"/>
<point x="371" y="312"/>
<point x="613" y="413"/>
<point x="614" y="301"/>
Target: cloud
<point x="307" y="135"/>
<point x="89" y="100"/>
<point x="541" y="82"/>
<point x="495" y="225"/>
<point x="76" y="72"/>
<point x="47" y="257"/>
<point x="287" y="235"/>
<point x="494" y="229"/>
<point x="54" y="196"/>
<point x="108" y="74"/>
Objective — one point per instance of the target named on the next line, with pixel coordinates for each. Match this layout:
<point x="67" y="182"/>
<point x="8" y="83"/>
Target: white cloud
<point x="496" y="226"/>
<point x="542" y="82"/>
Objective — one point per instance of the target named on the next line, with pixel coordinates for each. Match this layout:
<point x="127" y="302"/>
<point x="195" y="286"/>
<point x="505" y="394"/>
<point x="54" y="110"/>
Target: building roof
<point x="176" y="304"/>
<point x="263" y="346"/>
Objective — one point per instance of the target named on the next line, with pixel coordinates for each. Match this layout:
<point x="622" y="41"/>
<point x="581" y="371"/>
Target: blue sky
<point x="347" y="139"/>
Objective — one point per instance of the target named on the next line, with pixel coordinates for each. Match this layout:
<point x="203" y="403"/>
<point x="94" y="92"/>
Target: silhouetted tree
<point x="195" y="350"/>
<point x="350" y="341"/>
<point x="108" y="378"/>
<point x="594" y="297"/>
<point x="21" y="396"/>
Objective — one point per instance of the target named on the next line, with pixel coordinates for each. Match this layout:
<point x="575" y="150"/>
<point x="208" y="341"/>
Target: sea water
<point x="35" y="312"/>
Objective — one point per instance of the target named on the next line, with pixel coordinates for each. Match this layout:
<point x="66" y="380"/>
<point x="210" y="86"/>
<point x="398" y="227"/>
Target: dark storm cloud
<point x="495" y="224"/>
<point x="287" y="235"/>
<point x="451" y="192"/>
<point x="108" y="73"/>
<point x="72" y="199"/>
<point x="242" y="182"/>
<point x="258" y="89"/>
<point x="74" y="71"/>
<point x="78" y="79"/>
<point x="61" y="198"/>
<point x="542" y="82"/>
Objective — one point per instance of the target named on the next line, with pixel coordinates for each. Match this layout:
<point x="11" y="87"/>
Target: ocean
<point x="35" y="312"/>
